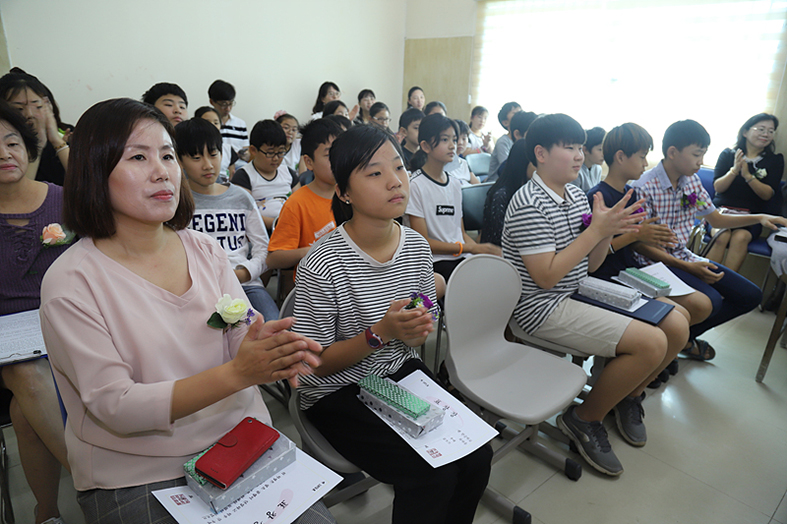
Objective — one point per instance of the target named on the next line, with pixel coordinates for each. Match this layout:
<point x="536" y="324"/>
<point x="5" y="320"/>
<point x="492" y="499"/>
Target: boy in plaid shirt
<point x="674" y="193"/>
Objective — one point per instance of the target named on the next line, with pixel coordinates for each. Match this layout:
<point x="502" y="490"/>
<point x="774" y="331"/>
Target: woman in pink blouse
<point x="146" y="382"/>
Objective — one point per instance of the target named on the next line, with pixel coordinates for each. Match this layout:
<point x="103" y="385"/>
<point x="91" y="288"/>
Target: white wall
<point x="275" y="52"/>
<point x="440" y="18"/>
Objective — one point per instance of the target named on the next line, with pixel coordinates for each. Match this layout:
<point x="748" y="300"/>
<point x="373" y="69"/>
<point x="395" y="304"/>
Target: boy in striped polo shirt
<point x="543" y="237"/>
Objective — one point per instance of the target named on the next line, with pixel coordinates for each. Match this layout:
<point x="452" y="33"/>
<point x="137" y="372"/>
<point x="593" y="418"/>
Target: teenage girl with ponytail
<point x="435" y="208"/>
<point x="351" y="290"/>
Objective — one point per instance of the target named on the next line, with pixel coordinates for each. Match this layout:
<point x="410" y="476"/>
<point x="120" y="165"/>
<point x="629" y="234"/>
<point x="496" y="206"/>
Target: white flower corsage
<point x="760" y="174"/>
<point x="54" y="235"/>
<point x="230" y="313"/>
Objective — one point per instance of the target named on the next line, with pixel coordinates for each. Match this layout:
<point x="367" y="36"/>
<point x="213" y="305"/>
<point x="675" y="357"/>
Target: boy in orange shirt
<point x="307" y="215"/>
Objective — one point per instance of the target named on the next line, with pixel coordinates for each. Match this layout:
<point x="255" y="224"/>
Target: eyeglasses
<point x="225" y="105"/>
<point x="764" y="130"/>
<point x="384" y="121"/>
<point x="272" y="154"/>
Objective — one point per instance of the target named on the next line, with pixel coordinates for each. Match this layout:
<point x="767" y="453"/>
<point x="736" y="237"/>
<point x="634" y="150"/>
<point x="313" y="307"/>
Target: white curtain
<point x="651" y="62"/>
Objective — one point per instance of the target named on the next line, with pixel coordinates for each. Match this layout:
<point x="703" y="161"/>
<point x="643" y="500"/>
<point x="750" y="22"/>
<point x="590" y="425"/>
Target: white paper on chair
<point x="21" y="337"/>
<point x="461" y="432"/>
<point x="281" y="499"/>
<point x="662" y="272"/>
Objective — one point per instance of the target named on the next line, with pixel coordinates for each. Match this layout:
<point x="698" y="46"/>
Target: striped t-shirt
<point x="341" y="291"/>
<point x="540" y="221"/>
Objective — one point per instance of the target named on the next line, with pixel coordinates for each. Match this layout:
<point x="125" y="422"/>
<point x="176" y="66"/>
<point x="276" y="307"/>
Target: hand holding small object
<point x="403" y="324"/>
<point x="618" y="219"/>
<point x="270" y="352"/>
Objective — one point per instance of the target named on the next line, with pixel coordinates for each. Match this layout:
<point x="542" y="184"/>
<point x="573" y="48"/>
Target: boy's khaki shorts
<point x="585" y="328"/>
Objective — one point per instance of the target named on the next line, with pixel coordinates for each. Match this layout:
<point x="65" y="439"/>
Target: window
<point x="650" y="62"/>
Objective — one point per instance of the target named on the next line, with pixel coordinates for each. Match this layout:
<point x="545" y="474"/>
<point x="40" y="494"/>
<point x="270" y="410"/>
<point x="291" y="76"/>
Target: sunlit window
<point x="650" y="62"/>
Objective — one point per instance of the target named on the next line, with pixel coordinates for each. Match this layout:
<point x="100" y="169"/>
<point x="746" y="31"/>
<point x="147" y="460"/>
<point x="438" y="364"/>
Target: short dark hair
<point x="751" y="122"/>
<point x="521" y="121"/>
<point x="503" y="114"/>
<point x="319" y="104"/>
<point x="684" y="133"/>
<point x="431" y="105"/>
<point x="14" y="118"/>
<point x="463" y="128"/>
<point x="192" y="136"/>
<point x="478" y="110"/>
<point x="629" y="138"/>
<point x="410" y="93"/>
<point x="354" y="150"/>
<point x="220" y="90"/>
<point x="409" y="116"/>
<point x="343" y="122"/>
<point x="96" y="148"/>
<point x="331" y="107"/>
<point x="161" y="89"/>
<point x="205" y="109"/>
<point x="267" y="132"/>
<point x="17" y="80"/>
<point x="595" y="137"/>
<point x="364" y="93"/>
<point x="318" y="132"/>
<point x="377" y="107"/>
<point x="286" y="116"/>
<point x="551" y="130"/>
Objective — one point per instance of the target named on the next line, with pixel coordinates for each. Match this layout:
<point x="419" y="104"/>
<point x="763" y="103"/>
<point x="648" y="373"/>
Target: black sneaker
<point x="592" y="442"/>
<point x="629" y="414"/>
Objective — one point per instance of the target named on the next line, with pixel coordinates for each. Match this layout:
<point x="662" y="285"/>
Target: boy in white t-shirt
<point x="267" y="179"/>
<point x="234" y="134"/>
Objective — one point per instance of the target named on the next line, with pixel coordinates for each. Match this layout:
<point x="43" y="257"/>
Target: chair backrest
<point x="473" y="199"/>
<point x="313" y="442"/>
<point x="479" y="163"/>
<point x="288" y="305"/>
<point x="706" y="176"/>
<point x="479" y="299"/>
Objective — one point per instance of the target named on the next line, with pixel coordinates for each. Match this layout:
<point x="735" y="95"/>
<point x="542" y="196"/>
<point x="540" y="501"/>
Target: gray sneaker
<point x="591" y="441"/>
<point x="629" y="414"/>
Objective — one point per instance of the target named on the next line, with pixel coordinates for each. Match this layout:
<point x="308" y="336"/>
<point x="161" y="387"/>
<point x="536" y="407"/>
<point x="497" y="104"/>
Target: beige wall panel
<point x="441" y="66"/>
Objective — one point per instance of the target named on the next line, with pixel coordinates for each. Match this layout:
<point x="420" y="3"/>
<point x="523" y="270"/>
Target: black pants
<point x="446" y="267"/>
<point x="423" y="494"/>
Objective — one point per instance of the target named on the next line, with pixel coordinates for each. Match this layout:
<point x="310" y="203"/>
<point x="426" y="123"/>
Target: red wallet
<point x="235" y="452"/>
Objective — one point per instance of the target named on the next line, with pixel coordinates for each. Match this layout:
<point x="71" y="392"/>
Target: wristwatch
<point x="373" y="339"/>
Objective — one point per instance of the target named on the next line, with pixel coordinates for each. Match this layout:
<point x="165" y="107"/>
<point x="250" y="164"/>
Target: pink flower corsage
<point x="55" y="235"/>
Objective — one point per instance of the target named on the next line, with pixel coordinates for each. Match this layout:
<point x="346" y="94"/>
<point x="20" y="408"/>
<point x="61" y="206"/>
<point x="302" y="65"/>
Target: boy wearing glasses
<point x="234" y="135"/>
<point x="267" y="179"/>
<point x="306" y="216"/>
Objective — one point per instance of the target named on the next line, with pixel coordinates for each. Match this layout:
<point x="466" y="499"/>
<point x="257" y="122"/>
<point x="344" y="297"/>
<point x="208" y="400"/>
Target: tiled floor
<point x="716" y="453"/>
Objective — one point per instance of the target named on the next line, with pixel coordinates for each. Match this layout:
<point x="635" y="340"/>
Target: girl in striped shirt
<point x="351" y="291"/>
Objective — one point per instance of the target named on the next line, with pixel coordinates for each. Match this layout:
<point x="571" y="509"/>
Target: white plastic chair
<point x="502" y="379"/>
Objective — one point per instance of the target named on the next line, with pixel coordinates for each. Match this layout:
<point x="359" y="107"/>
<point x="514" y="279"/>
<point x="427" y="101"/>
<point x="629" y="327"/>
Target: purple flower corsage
<point x="691" y="200"/>
<point x="418" y="300"/>
<point x="587" y="218"/>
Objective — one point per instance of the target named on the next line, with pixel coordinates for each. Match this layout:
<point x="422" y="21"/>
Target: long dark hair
<point x="514" y="174"/>
<point x="319" y="104"/>
<point x="756" y="119"/>
<point x="353" y="150"/>
<point x="17" y="80"/>
<point x="429" y="131"/>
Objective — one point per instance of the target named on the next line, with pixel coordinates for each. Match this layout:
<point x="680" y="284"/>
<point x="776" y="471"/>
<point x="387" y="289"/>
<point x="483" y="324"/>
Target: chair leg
<point x="505" y="506"/>
<point x="436" y="367"/>
<point x="764" y="288"/>
<point x="771" y="345"/>
<point x="6" y="510"/>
